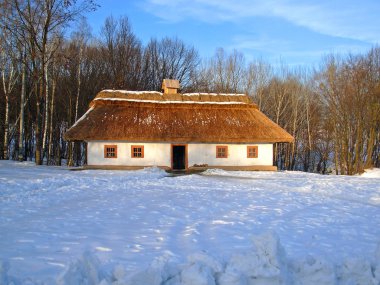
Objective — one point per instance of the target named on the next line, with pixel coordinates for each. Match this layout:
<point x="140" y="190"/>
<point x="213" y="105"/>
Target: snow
<point x="83" y="117"/>
<point x="213" y="94"/>
<point x="132" y="92"/>
<point x="372" y="173"/>
<point x="160" y="93"/>
<point x="147" y="227"/>
<point x="169" y="101"/>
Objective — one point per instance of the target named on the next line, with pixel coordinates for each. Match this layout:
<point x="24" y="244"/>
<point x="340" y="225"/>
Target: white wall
<point x="237" y="155"/>
<point x="154" y="154"/>
<point x="159" y="154"/>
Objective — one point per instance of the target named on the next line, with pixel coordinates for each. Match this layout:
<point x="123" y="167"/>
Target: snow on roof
<point x="132" y="92"/>
<point x="83" y="117"/>
<point x="168" y="102"/>
<point x="183" y="94"/>
<point x="189" y="98"/>
<point x="213" y="94"/>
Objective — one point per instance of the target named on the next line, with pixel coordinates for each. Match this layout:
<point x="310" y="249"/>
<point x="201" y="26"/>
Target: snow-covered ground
<point x="145" y="227"/>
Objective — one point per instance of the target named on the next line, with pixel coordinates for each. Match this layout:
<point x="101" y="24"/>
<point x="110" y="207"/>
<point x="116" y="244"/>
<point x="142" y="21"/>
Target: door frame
<point x="186" y="155"/>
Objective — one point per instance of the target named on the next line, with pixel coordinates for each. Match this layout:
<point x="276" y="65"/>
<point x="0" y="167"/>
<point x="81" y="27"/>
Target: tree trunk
<point x="46" y="116"/>
<point x="9" y="81"/>
<point x="73" y="146"/>
<point x="21" y="153"/>
<point x="85" y="153"/>
<point x="6" y="126"/>
<point x="336" y="157"/>
<point x="37" y="133"/>
<point x="79" y="83"/>
<point x="275" y="158"/>
<point x="358" y="165"/>
<point x="309" y="141"/>
<point x="370" y="145"/>
<point x="52" y="107"/>
<point x="58" y="160"/>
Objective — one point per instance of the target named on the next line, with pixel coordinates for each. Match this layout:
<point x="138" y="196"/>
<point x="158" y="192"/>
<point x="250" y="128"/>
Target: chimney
<point x="170" y="86"/>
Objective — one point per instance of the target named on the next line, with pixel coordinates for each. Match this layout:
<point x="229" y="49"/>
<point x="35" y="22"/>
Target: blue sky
<point x="296" y="32"/>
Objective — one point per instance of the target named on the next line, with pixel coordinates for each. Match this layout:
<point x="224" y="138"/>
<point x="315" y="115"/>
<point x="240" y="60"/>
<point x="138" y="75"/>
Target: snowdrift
<point x="371" y="173"/>
<point x="266" y="263"/>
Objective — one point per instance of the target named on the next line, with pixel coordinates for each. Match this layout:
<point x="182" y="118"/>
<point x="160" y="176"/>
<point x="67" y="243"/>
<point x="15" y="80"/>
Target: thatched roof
<point x="191" y="117"/>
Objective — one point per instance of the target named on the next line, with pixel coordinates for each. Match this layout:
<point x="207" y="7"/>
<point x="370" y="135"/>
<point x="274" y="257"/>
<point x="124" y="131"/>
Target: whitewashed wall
<point x="159" y="154"/>
<point x="154" y="154"/>
<point x="237" y="155"/>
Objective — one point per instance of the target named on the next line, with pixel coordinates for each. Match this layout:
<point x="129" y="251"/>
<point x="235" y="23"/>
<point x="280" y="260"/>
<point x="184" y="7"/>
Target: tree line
<point x="48" y="79"/>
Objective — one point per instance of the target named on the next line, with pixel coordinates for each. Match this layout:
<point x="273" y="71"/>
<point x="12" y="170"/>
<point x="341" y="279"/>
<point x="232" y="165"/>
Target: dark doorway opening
<point x="179" y="157"/>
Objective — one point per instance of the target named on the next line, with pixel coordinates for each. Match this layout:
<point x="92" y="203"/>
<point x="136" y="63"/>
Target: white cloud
<point x="356" y="20"/>
<point x="262" y="43"/>
<point x="340" y="18"/>
<point x="275" y="49"/>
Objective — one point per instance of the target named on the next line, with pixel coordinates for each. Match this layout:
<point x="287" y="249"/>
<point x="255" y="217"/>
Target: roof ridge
<point x="164" y="98"/>
<point x="130" y="91"/>
<point x="213" y="94"/>
<point x="160" y="93"/>
<point x="172" y="101"/>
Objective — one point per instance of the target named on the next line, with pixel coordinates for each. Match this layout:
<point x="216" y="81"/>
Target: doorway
<point x="179" y="157"/>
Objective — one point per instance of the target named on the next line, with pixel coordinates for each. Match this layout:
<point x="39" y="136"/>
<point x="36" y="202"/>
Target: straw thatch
<point x="182" y="118"/>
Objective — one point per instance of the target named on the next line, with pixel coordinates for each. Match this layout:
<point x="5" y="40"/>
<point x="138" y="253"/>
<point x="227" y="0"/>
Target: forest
<point x="52" y="66"/>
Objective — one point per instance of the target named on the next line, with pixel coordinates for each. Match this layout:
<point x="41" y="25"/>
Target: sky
<point x="295" y="32"/>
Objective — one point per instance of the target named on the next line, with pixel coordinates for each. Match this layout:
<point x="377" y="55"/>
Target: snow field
<point x="106" y="227"/>
<point x="266" y="263"/>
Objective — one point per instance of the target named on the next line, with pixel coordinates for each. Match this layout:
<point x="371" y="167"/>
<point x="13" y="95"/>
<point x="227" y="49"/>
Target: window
<point x="137" y="151"/>
<point x="252" y="151"/>
<point x="221" y="151"/>
<point x="110" y="151"/>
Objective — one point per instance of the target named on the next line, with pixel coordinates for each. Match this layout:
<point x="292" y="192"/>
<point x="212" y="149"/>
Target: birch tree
<point x="257" y="78"/>
<point x="80" y="39"/>
<point x="9" y="75"/>
<point x="37" y="22"/>
<point x="21" y="147"/>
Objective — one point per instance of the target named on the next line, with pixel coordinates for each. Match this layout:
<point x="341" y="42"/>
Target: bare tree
<point x="349" y="88"/>
<point x="9" y="75"/>
<point x="22" y="106"/>
<point x="121" y="52"/>
<point x="257" y="78"/>
<point x="37" y="23"/>
<point x="169" y="58"/>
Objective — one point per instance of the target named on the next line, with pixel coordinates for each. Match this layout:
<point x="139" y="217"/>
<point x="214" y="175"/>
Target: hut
<point x="135" y="129"/>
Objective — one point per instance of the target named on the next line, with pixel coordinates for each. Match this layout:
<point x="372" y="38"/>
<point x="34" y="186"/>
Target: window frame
<point x="256" y="148"/>
<point x="225" y="147"/>
<point x="137" y="146"/>
<point x="110" y="146"/>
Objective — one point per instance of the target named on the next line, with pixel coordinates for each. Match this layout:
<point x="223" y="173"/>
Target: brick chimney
<point x="170" y="86"/>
